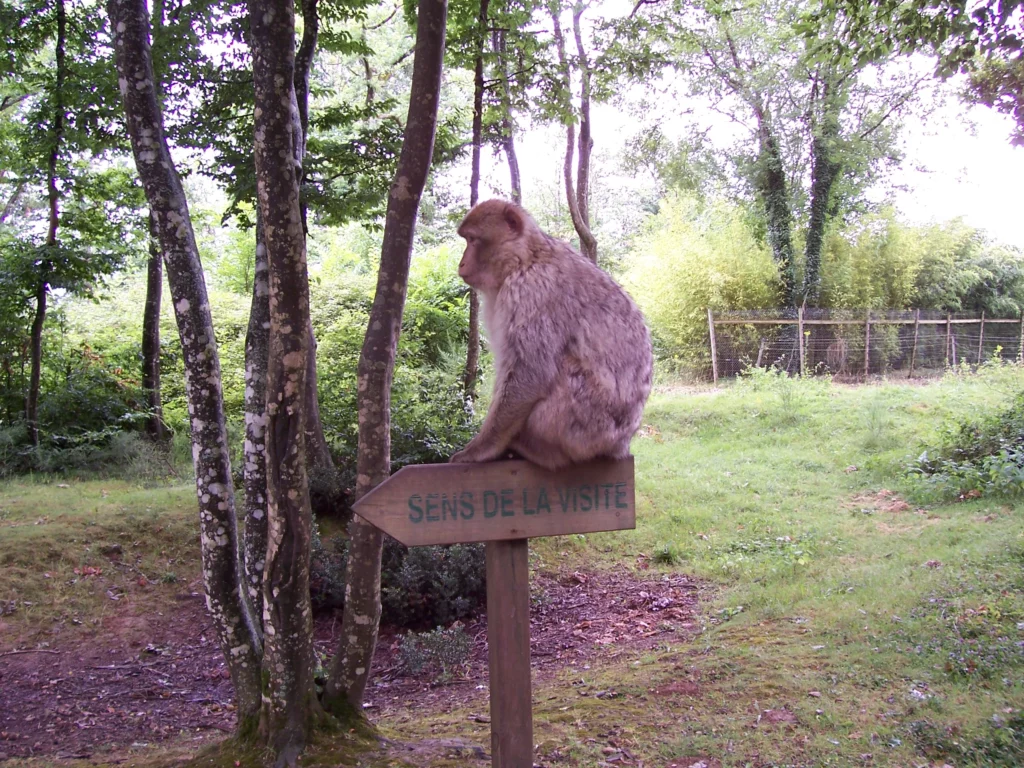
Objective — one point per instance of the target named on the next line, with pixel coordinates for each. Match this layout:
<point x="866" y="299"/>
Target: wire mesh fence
<point x="853" y="343"/>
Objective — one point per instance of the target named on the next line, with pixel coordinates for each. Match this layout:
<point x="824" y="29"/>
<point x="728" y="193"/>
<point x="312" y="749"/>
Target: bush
<point x="439" y="652"/>
<point x="430" y="586"/>
<point x="978" y="456"/>
<point x="693" y="257"/>
<point x="129" y="455"/>
<point x="327" y="571"/>
<point x="420" y="587"/>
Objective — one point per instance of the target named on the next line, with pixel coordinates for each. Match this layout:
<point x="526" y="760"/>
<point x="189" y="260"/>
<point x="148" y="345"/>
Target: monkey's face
<point x="477" y="267"/>
<point x="493" y="231"/>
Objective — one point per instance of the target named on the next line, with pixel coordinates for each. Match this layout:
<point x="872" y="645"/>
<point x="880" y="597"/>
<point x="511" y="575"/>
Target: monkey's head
<point x="496" y="234"/>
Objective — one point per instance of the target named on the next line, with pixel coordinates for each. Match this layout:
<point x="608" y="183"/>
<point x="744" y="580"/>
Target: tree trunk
<point x="318" y="452"/>
<point x="290" y="705"/>
<point x="36" y="362"/>
<point x="351" y="668"/>
<point x="508" y="141"/>
<point x="257" y="344"/>
<point x="472" y="371"/>
<point x="586" y="141"/>
<point x="221" y="553"/>
<point x="53" y="199"/>
<point x="824" y="172"/>
<point x="773" y="188"/>
<point x="151" y="336"/>
<point x="575" y="192"/>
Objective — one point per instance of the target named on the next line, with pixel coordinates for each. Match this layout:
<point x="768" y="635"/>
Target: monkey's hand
<point x="473" y="453"/>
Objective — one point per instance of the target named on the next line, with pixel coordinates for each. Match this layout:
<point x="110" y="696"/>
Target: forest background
<point x="679" y="197"/>
<point x="757" y="174"/>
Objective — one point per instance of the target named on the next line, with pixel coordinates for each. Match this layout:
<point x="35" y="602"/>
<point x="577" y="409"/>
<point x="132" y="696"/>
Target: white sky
<point x="955" y="169"/>
<point x="958" y="163"/>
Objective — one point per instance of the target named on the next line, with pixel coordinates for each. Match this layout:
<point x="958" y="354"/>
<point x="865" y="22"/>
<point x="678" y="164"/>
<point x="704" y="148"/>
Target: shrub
<point x="425" y="586"/>
<point x="420" y="587"/>
<point x="984" y="455"/>
<point x="439" y="652"/>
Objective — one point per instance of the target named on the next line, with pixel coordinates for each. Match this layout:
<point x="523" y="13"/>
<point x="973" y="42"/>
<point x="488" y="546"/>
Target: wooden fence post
<point x="981" y="336"/>
<point x="800" y="332"/>
<point x="913" y="351"/>
<point x="1020" y="345"/>
<point x="867" y="345"/>
<point x="949" y="337"/>
<point x="714" y="350"/>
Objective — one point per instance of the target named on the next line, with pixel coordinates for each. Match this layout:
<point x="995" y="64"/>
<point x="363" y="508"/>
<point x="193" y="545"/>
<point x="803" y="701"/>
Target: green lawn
<point x="851" y="617"/>
<point x="886" y="628"/>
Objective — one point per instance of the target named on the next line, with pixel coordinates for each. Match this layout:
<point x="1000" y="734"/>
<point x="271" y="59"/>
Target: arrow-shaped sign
<point x="457" y="503"/>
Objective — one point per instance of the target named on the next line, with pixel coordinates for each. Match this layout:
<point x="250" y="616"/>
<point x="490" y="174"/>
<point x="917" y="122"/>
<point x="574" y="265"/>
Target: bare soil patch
<point x="142" y="679"/>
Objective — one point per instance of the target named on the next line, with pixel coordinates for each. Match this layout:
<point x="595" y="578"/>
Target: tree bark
<point x="318" y="452"/>
<point x="53" y="201"/>
<point x="36" y="361"/>
<point x="824" y="172"/>
<point x="351" y="668"/>
<point x="773" y="188"/>
<point x="257" y="350"/>
<point x="290" y="705"/>
<point x="221" y="553"/>
<point x="472" y="372"/>
<point x="151" y="336"/>
<point x="586" y="141"/>
<point x="575" y="192"/>
<point x="508" y="140"/>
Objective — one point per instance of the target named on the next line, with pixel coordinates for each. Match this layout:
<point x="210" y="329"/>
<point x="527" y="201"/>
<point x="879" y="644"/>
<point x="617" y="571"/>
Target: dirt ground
<point x="140" y="679"/>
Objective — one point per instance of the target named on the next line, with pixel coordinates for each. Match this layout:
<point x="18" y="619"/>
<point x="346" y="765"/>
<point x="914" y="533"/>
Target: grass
<point x="854" y="618"/>
<point x="886" y="625"/>
<point x="73" y="552"/>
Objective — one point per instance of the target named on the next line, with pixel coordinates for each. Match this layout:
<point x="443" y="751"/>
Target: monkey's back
<point x="594" y="346"/>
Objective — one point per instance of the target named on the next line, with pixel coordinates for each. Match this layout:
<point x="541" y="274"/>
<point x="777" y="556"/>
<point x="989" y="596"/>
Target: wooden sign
<point x="501" y="500"/>
<point x="503" y="503"/>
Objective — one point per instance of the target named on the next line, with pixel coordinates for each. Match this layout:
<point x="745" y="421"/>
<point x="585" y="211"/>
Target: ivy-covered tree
<point x="817" y="127"/>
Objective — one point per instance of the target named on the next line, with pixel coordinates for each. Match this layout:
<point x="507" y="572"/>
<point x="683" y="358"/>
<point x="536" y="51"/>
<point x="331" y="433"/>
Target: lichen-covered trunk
<point x="290" y="705"/>
<point x="350" y="670"/>
<point x="472" y="372"/>
<point x="318" y="452"/>
<point x="151" y="336"/>
<point x="254" y="454"/>
<point x="221" y="554"/>
<point x="825" y="169"/>
<point x="771" y="182"/>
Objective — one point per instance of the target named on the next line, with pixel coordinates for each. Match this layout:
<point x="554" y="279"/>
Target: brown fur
<point x="572" y="351"/>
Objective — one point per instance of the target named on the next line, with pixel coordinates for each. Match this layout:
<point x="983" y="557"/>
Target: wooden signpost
<point x="503" y="503"/>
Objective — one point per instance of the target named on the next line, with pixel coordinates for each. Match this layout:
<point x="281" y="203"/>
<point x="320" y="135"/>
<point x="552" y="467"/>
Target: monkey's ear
<point x="514" y="219"/>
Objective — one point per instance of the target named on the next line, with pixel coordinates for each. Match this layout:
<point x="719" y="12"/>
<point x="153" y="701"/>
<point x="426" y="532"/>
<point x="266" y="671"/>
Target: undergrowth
<point x="977" y="455"/>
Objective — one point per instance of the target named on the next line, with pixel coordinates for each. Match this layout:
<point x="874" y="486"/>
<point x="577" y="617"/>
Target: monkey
<point x="573" y="354"/>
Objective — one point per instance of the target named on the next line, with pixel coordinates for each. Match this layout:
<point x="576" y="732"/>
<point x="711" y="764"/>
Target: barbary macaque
<point x="572" y="351"/>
